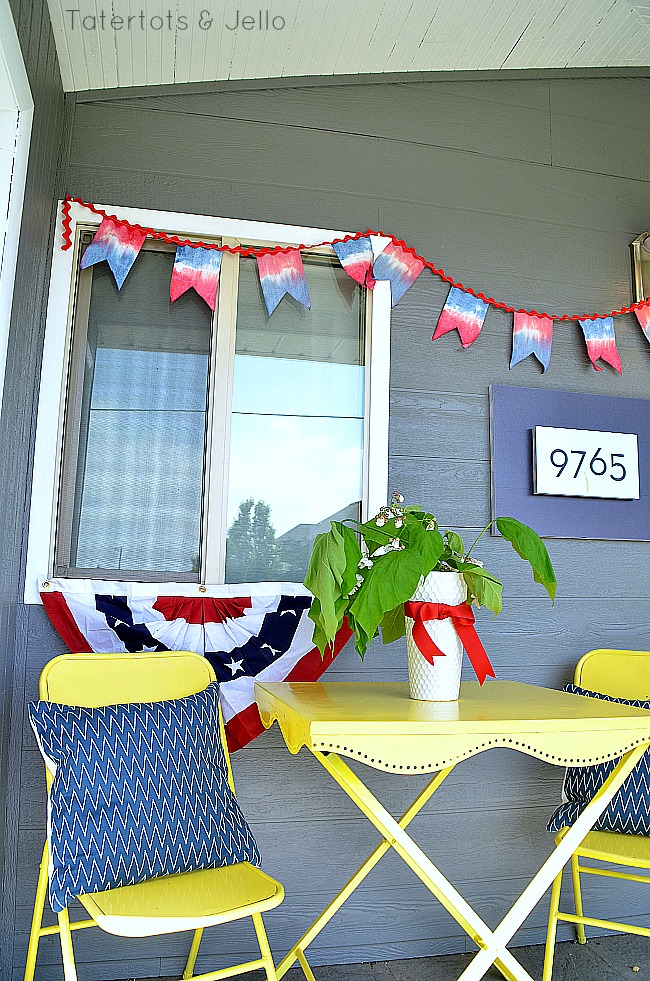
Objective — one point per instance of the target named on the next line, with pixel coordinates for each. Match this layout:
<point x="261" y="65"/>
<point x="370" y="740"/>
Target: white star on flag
<point x="235" y="666"/>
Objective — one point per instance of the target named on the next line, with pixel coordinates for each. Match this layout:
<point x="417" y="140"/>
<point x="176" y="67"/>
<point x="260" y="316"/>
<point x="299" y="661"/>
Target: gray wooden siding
<point x="531" y="191"/>
<point x="16" y="426"/>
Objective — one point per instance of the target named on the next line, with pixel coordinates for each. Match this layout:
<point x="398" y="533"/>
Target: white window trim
<point x="51" y="404"/>
<point x="15" y="132"/>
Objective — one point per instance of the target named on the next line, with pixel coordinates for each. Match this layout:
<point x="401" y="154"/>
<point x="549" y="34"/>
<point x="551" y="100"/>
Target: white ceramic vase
<point x="440" y="681"/>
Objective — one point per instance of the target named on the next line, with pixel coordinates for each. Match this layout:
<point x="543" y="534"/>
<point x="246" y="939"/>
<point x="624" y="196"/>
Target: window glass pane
<point x="137" y="500"/>
<point x="296" y="451"/>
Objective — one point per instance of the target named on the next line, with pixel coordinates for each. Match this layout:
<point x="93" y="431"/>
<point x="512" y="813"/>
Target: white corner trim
<point x="17" y="109"/>
<point x="46" y="448"/>
<point x="379" y="402"/>
<point x="49" y="426"/>
<point x="12" y="60"/>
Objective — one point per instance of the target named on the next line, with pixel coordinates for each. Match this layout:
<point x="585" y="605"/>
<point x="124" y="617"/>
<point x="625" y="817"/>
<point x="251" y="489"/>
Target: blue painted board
<point x="514" y="412"/>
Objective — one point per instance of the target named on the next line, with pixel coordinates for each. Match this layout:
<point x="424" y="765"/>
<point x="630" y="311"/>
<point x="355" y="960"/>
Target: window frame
<point x="47" y="472"/>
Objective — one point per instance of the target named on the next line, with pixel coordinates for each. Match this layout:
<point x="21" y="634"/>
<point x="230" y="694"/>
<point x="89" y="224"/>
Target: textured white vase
<point x="440" y="681"/>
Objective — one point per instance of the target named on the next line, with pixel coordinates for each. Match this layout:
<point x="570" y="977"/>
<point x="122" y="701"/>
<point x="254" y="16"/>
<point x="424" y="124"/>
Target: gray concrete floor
<point x="619" y="958"/>
<point x="602" y="959"/>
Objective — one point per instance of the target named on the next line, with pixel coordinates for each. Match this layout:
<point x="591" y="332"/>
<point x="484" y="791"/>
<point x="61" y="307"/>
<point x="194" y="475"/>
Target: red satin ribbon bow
<point x="462" y="617"/>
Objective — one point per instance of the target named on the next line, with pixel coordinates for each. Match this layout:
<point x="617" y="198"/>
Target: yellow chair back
<point x="169" y="904"/>
<point x="91" y="680"/>
<point x="622" y="674"/>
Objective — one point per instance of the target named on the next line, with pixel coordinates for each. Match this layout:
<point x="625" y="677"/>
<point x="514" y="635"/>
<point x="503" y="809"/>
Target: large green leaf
<point x="376" y="536"/>
<point x="485" y="588"/>
<point x="361" y="639"/>
<point x="391" y="581"/>
<point x="352" y="556"/>
<point x="393" y="626"/>
<point x="455" y="542"/>
<point x="325" y="578"/>
<point x="427" y="545"/>
<point x="530" y="546"/>
<point x="319" y="638"/>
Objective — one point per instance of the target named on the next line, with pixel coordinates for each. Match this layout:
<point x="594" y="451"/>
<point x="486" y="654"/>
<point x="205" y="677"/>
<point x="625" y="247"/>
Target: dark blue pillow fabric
<point x="629" y="809"/>
<point x="139" y="791"/>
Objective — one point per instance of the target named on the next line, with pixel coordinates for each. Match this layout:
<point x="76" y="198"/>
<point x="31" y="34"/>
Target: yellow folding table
<point x="379" y="725"/>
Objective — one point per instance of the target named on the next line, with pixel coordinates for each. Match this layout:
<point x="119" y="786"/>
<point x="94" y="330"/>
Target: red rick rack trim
<point x="248" y="252"/>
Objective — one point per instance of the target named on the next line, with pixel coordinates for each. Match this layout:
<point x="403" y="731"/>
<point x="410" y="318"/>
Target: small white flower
<point x="399" y="497"/>
<point x="399" y="522"/>
<point x="395" y="543"/>
<point x="431" y="526"/>
<point x="359" y="579"/>
<point x="380" y="522"/>
<point x="474" y="561"/>
<point x="365" y="564"/>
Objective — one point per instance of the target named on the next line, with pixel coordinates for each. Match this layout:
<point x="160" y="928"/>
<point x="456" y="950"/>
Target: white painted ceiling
<point x="168" y="41"/>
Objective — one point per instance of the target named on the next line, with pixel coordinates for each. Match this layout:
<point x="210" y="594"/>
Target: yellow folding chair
<point x="621" y="674"/>
<point x="169" y="904"/>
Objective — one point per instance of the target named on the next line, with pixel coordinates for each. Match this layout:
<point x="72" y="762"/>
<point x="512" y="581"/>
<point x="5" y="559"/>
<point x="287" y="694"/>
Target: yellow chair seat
<point x="607" y="846"/>
<point x="184" y="902"/>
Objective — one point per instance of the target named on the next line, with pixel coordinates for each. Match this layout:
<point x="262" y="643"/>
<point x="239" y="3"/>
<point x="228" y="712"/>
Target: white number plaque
<point x="582" y="463"/>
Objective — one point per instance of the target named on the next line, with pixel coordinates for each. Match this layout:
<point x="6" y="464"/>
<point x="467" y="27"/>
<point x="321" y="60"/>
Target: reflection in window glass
<point x="137" y="501"/>
<point x="296" y="450"/>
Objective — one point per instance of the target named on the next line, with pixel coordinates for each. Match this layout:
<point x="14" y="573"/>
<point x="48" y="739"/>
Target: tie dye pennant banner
<point x="118" y="245"/>
<point x="399" y="267"/>
<point x="197" y="266"/>
<point x="531" y="335"/>
<point x="463" y="312"/>
<point x="643" y="316"/>
<point x="601" y="342"/>
<point x="357" y="257"/>
<point x="280" y="274"/>
<point x="198" y="269"/>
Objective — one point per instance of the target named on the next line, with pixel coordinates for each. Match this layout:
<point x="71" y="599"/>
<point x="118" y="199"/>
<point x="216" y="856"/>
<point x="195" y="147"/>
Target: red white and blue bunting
<point x="248" y="632"/>
<point x="282" y="273"/>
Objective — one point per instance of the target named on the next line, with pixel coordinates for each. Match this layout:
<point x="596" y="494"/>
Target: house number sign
<point x="584" y="463"/>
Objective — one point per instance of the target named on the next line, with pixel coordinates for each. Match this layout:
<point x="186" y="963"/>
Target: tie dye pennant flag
<point x="118" y="245"/>
<point x="531" y="335"/>
<point x="198" y="269"/>
<point x="462" y="312"/>
<point x="280" y="274"/>
<point x="601" y="342"/>
<point x="643" y="316"/>
<point x="398" y="266"/>
<point x="357" y="258"/>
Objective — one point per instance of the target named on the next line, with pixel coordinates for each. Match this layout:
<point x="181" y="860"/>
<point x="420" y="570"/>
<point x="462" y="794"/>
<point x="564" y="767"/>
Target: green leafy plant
<point x="367" y="573"/>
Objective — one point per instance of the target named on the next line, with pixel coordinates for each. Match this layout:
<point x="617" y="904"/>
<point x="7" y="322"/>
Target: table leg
<point x="550" y="869"/>
<point x="424" y="868"/>
<point x="297" y="951"/>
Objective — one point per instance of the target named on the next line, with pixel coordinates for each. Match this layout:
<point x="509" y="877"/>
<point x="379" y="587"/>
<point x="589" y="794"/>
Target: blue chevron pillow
<point x="139" y="791"/>
<point x="628" y="812"/>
